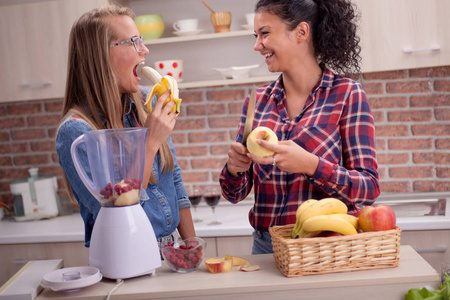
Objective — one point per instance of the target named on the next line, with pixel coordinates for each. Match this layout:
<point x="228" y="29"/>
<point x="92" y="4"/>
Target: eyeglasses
<point x="137" y="42"/>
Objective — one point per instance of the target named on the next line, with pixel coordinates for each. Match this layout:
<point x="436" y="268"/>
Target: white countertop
<point x="70" y="228"/>
<point x="267" y="283"/>
<point x="234" y="218"/>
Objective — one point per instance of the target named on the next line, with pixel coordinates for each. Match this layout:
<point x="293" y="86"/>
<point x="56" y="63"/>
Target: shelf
<point x="219" y="82"/>
<point x="199" y="37"/>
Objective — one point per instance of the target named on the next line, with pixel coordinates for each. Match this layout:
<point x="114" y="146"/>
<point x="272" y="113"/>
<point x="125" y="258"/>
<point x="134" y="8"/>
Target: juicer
<point x="35" y="197"/>
<point x="123" y="243"/>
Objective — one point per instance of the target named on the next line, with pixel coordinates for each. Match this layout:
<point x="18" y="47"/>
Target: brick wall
<point x="411" y="110"/>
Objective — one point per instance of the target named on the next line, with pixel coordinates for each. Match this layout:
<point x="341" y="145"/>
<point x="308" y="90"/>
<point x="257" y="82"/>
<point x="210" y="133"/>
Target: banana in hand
<point x="161" y="85"/>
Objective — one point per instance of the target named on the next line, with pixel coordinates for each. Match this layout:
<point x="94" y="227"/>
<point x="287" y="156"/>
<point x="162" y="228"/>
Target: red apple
<point x="376" y="218"/>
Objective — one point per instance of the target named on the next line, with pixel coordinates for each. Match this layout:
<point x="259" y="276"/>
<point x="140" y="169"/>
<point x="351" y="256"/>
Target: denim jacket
<point x="161" y="201"/>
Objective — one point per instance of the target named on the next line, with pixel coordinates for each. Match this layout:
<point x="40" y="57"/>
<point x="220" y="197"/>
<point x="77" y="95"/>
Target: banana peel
<point x="166" y="83"/>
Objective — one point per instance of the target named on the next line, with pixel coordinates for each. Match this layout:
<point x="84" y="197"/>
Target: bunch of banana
<point x="328" y="214"/>
<point x="161" y="85"/>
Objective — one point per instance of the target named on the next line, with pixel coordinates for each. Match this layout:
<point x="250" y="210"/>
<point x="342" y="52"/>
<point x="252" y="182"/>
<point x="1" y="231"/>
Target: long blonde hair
<point x="92" y="91"/>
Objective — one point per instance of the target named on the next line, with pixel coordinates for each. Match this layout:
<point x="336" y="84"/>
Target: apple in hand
<point x="262" y="133"/>
<point x="219" y="265"/>
<point x="376" y="218"/>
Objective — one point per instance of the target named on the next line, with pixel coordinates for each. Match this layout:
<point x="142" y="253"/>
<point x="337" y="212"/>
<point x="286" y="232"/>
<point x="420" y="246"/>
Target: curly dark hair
<point x="333" y="27"/>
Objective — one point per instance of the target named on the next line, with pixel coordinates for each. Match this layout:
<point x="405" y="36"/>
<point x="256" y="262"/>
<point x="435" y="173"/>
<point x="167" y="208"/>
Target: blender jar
<point x="116" y="161"/>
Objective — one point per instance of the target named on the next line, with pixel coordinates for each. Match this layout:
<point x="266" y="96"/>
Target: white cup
<point x="250" y="17"/>
<point x="172" y="67"/>
<point x="186" y="25"/>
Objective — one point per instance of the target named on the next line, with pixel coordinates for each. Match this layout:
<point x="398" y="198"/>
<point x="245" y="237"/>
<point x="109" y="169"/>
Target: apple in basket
<point x="376" y="218"/>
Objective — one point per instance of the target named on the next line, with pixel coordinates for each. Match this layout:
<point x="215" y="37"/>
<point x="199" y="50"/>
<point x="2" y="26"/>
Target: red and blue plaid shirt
<point x="337" y="126"/>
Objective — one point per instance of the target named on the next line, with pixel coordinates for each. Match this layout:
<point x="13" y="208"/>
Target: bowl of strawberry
<point x="184" y="256"/>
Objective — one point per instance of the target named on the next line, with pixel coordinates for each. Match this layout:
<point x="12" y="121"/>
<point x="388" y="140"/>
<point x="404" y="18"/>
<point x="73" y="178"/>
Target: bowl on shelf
<point x="184" y="256"/>
<point x="150" y="26"/>
<point x="236" y="72"/>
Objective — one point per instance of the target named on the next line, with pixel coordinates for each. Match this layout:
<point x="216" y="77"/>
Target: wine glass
<point x="195" y="196"/>
<point x="212" y="198"/>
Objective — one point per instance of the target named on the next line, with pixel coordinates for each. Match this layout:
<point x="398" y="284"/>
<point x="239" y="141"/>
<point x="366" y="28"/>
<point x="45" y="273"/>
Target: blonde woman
<point x="103" y="92"/>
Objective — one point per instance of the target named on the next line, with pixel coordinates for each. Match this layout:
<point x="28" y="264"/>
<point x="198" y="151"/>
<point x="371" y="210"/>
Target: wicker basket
<point x="308" y="256"/>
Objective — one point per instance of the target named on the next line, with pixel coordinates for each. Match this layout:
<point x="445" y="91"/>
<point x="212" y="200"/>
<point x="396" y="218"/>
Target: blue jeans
<point x="262" y="242"/>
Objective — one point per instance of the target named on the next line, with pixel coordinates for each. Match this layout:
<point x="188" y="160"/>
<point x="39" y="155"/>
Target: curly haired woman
<point x="322" y="119"/>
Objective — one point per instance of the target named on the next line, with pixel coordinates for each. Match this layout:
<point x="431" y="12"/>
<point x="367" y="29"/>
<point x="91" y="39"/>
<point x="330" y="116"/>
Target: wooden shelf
<point x="219" y="82"/>
<point x="198" y="37"/>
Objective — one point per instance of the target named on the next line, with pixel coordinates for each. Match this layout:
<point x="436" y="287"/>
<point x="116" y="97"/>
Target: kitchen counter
<point x="70" y="228"/>
<point x="234" y="218"/>
<point x="267" y="283"/>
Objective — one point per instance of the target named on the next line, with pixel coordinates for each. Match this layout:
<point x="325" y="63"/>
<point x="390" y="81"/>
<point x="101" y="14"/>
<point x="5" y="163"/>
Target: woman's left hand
<point x="288" y="157"/>
<point x="160" y="122"/>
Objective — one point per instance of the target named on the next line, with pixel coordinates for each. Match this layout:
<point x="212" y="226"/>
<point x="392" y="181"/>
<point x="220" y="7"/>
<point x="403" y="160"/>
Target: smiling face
<point x="275" y="42"/>
<point x="124" y="58"/>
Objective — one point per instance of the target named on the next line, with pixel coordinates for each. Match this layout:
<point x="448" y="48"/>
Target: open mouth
<point x="135" y="69"/>
<point x="267" y="55"/>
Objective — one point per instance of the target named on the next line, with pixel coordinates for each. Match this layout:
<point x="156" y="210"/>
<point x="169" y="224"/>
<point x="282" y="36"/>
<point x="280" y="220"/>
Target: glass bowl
<point x="184" y="256"/>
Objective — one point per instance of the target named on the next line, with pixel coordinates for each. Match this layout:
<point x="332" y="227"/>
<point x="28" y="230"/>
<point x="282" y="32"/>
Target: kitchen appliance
<point x="35" y="197"/>
<point x="123" y="243"/>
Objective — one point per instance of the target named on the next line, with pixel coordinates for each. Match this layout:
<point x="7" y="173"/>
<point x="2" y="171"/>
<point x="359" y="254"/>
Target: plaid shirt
<point x="336" y="125"/>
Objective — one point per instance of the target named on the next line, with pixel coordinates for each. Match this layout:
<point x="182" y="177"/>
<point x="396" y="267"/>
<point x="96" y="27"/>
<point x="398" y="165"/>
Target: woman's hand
<point x="238" y="161"/>
<point x="160" y="122"/>
<point x="289" y="157"/>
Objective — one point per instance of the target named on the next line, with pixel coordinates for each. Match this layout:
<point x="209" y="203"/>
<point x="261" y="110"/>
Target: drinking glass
<point x="195" y="196"/>
<point x="212" y="198"/>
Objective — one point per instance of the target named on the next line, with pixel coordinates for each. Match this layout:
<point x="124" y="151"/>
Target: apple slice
<point x="250" y="268"/>
<point x="219" y="265"/>
<point x="238" y="261"/>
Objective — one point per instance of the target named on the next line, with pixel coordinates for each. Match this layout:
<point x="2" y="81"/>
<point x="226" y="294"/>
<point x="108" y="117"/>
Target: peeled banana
<point x="328" y="223"/>
<point x="161" y="85"/>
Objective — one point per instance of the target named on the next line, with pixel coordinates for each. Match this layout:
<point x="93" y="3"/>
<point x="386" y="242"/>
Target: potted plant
<point x="3" y="207"/>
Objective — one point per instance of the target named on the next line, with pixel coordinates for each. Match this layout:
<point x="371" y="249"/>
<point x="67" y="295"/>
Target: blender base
<point x="123" y="243"/>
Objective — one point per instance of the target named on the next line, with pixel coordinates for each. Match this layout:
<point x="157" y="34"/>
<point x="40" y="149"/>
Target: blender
<point x="123" y="243"/>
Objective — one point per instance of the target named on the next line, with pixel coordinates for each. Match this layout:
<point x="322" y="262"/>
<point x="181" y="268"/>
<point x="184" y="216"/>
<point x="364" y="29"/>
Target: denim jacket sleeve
<point x="183" y="199"/>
